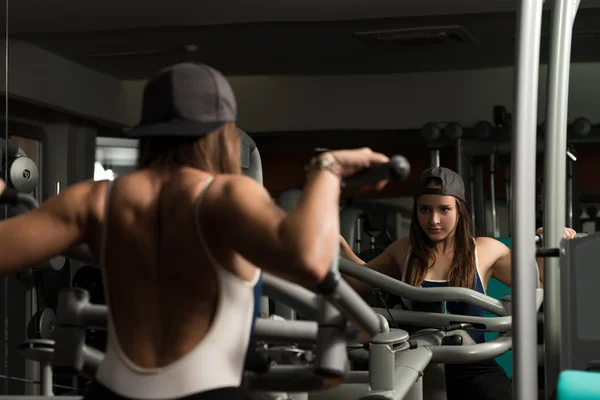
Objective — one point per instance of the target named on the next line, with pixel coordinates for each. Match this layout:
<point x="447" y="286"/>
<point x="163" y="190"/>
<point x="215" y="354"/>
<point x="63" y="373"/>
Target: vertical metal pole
<point x="569" y="193"/>
<point x="575" y="198"/>
<point x="479" y="200"/>
<point x="472" y="197"/>
<point x="563" y="15"/>
<point x="495" y="230"/>
<point x="46" y="379"/>
<point x="459" y="157"/>
<point x="435" y="158"/>
<point x="508" y="198"/>
<point x="32" y="368"/>
<point x="524" y="277"/>
<point x="359" y="235"/>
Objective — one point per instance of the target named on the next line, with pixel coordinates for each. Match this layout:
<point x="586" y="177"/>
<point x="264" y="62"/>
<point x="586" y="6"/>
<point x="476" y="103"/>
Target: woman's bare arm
<point x="299" y="245"/>
<point x="385" y="263"/>
<point x="30" y="238"/>
<point x="502" y="267"/>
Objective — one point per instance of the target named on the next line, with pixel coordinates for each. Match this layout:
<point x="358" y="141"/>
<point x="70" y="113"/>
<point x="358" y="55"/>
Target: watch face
<point x="325" y="161"/>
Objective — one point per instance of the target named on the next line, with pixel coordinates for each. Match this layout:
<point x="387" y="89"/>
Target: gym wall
<point x="296" y="103"/>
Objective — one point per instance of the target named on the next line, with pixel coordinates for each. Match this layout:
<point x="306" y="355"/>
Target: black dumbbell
<point x="431" y="131"/>
<point x="483" y="130"/>
<point x="581" y="127"/>
<point x="453" y="130"/>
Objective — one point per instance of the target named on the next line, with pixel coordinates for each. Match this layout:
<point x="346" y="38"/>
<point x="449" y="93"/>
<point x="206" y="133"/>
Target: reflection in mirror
<point x="114" y="157"/>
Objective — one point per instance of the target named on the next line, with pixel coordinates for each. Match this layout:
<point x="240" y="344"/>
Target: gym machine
<point x="250" y="157"/>
<point x="390" y="350"/>
<point x="22" y="172"/>
<point x="76" y="315"/>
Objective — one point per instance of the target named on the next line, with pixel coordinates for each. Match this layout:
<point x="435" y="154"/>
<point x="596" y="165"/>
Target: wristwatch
<point x="326" y="163"/>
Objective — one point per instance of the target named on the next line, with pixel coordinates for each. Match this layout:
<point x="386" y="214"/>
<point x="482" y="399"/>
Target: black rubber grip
<point x="545" y="253"/>
<point x="398" y="168"/>
<point x="12" y="148"/>
<point x="9" y="196"/>
<point x="329" y="284"/>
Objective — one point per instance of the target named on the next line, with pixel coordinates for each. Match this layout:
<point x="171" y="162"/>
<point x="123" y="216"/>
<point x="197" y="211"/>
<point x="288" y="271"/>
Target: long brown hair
<point x="463" y="269"/>
<point x="217" y="152"/>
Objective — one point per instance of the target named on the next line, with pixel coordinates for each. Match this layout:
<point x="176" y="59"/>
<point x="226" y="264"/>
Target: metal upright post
<point x="474" y="219"/>
<point x="508" y="198"/>
<point x="434" y="158"/>
<point x="569" y="193"/>
<point x="479" y="202"/>
<point x="523" y="173"/>
<point x="563" y="16"/>
<point x="460" y="169"/>
<point x="495" y="228"/>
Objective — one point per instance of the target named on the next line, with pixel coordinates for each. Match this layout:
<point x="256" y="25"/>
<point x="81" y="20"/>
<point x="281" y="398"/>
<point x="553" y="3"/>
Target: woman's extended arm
<point x="60" y="223"/>
<point x="501" y="268"/>
<point x="299" y="245"/>
<point x="385" y="263"/>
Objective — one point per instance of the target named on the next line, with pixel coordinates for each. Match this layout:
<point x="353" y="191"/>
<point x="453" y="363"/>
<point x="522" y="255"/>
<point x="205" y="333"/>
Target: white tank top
<point x="216" y="362"/>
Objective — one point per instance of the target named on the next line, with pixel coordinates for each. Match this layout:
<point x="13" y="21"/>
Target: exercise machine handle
<point x="539" y="237"/>
<point x="398" y="168"/>
<point x="13" y="197"/>
<point x="399" y="288"/>
<point x="338" y="292"/>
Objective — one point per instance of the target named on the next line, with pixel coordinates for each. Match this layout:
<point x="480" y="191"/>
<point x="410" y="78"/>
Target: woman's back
<point x="169" y="294"/>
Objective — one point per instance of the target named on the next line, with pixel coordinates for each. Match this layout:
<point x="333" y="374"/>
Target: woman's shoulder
<point x="492" y="247"/>
<point x="486" y="241"/>
<point x="401" y="243"/>
<point x="400" y="248"/>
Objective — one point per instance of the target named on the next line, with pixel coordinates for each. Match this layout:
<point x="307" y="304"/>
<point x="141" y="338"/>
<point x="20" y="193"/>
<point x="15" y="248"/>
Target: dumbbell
<point x="483" y="130"/>
<point x="581" y="127"/>
<point x="453" y="130"/>
<point x="431" y="132"/>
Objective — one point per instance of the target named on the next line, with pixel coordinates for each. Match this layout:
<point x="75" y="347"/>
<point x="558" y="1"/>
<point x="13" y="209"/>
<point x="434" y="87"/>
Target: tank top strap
<point x="479" y="276"/>
<point x="221" y="271"/>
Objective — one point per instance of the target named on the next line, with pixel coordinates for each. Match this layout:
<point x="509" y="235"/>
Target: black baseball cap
<point x="452" y="183"/>
<point x="186" y="99"/>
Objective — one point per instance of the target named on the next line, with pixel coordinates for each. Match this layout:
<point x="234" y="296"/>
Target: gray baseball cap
<point x="185" y="99"/>
<point x="452" y="183"/>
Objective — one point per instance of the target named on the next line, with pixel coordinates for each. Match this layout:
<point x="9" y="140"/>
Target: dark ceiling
<point x="310" y="48"/>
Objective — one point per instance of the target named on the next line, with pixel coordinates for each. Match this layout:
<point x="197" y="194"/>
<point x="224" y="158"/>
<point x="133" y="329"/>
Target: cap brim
<point x="175" y="128"/>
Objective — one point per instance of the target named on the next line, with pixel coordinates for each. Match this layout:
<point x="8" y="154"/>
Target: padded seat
<point x="578" y="385"/>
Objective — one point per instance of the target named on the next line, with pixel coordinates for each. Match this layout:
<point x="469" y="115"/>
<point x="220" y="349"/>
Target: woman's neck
<point x="444" y="247"/>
